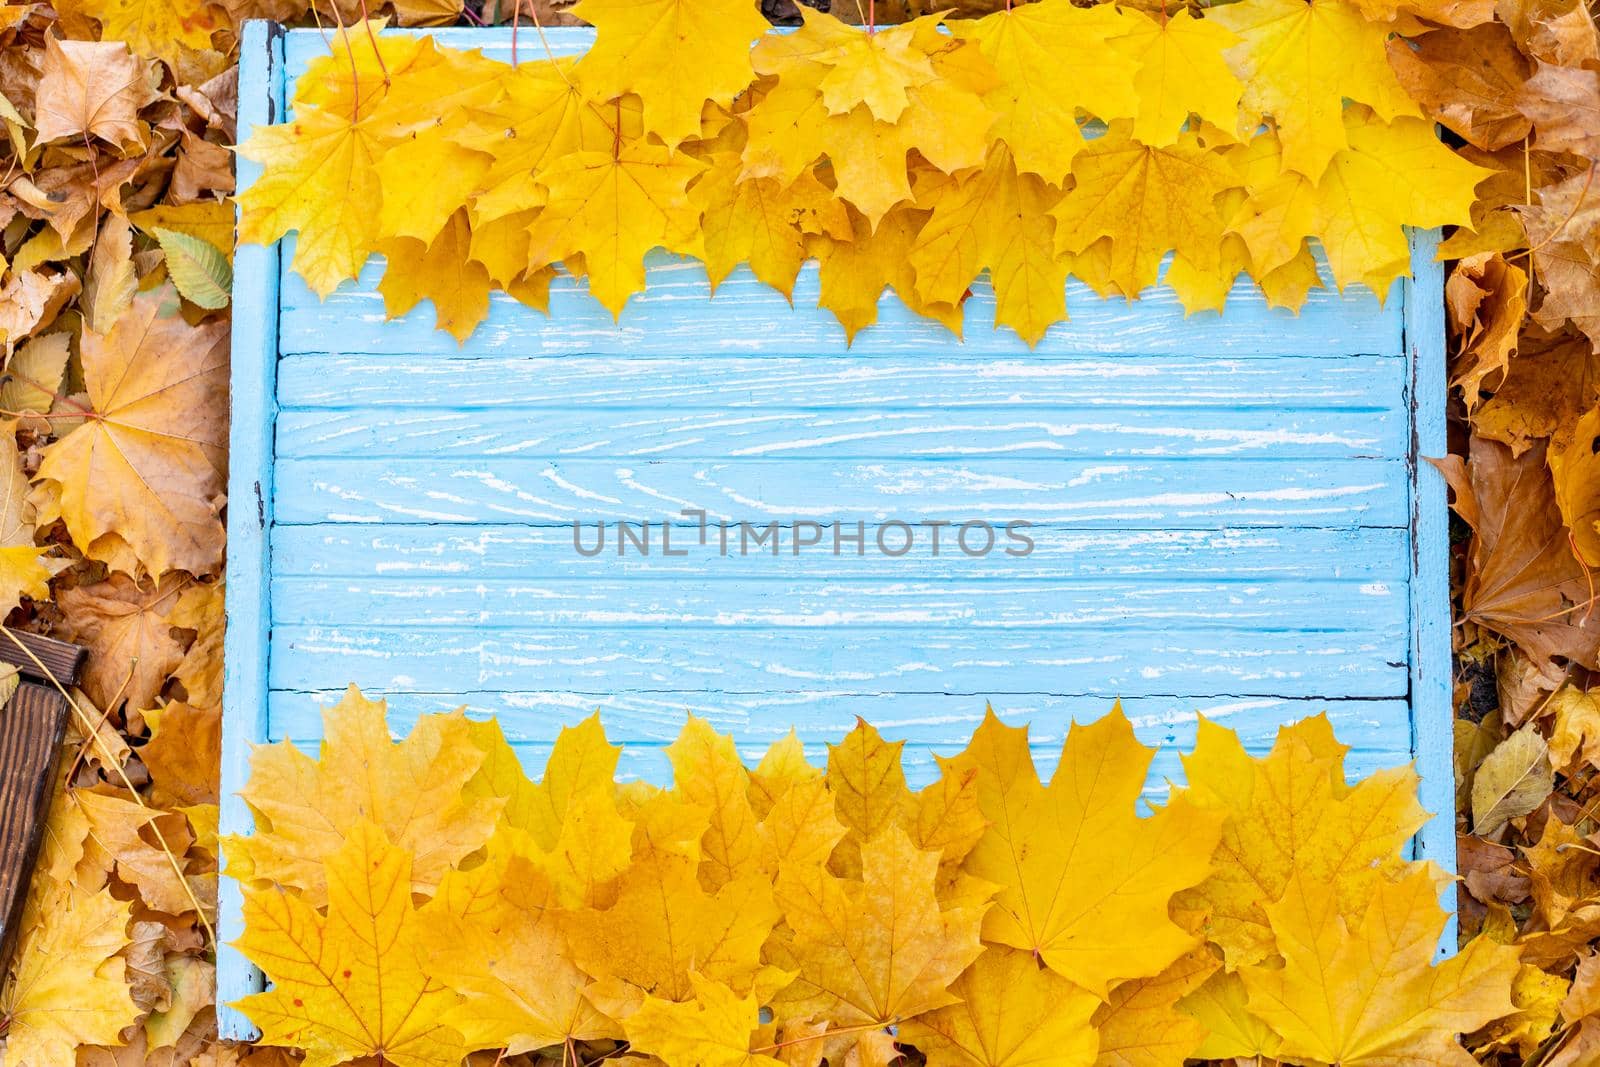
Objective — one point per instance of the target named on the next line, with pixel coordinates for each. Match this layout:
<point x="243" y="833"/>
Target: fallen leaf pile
<point x="1021" y="144"/>
<point x="115" y="240"/>
<point x="788" y="913"/>
<point x="1516" y="88"/>
<point x="916" y="157"/>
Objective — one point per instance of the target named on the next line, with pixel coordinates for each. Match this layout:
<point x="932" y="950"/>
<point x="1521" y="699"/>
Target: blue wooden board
<point x="1229" y="516"/>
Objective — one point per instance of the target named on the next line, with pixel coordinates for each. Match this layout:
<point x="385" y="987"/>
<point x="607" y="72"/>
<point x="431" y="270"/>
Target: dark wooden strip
<point x="31" y="728"/>
<point x="60" y="658"/>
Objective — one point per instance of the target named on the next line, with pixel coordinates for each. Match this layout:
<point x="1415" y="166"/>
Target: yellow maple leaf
<point x="541" y="114"/>
<point x="761" y="222"/>
<point x="1179" y="70"/>
<point x="1039" y="96"/>
<point x="1012" y="1012"/>
<point x="34" y="375"/>
<point x="664" y="824"/>
<point x="1270" y="221"/>
<point x="707" y="773"/>
<point x="854" y="273"/>
<point x="1084" y="881"/>
<point x="948" y="819"/>
<point x="1148" y="202"/>
<point x="998" y="220"/>
<point x="1392" y="175"/>
<point x="419" y="210"/>
<point x="790" y="130"/>
<point x="877" y="951"/>
<point x="582" y="762"/>
<point x="612" y="208"/>
<point x="441" y="272"/>
<point x="664" y="925"/>
<point x="1142" y="1024"/>
<point x="501" y="244"/>
<point x="160" y="28"/>
<point x="413" y="790"/>
<point x="1221" y="1006"/>
<point x="800" y="827"/>
<point x="402" y="82"/>
<point x="1279" y="211"/>
<point x="67" y="986"/>
<point x="1538" y="997"/>
<point x="792" y="126"/>
<point x="712" y="1030"/>
<point x="320" y="170"/>
<point x="352" y="983"/>
<point x="572" y="816"/>
<point x="674" y="54"/>
<point x="1363" y="993"/>
<point x="23" y="572"/>
<point x="783" y="766"/>
<point x="319" y="179"/>
<point x="493" y="933"/>
<point x="1290" y="811"/>
<point x="1300" y="60"/>
<point x="140" y="483"/>
<point x="876" y="69"/>
<point x="868" y="783"/>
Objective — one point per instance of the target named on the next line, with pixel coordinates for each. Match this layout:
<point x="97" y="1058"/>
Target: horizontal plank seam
<point x="941" y="582"/>
<point x="1050" y="743"/>
<point x="976" y="357"/>
<point x="365" y="455"/>
<point x="845" y="695"/>
<point x="1059" y="629"/>
<point x="1037" y="525"/>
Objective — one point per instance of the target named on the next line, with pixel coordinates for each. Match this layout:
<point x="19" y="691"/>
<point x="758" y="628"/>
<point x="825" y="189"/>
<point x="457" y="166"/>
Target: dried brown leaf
<point x="1554" y="379"/>
<point x="127" y="628"/>
<point x="1564" y="104"/>
<point x="1486" y="298"/>
<point x="92" y="89"/>
<point x="1468" y="80"/>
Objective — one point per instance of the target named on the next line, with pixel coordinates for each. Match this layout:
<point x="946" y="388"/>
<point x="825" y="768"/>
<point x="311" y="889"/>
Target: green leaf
<point x="198" y="269"/>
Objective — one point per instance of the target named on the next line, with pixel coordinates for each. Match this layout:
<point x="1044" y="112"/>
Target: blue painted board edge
<point x="1432" y="713"/>
<point x="253" y="390"/>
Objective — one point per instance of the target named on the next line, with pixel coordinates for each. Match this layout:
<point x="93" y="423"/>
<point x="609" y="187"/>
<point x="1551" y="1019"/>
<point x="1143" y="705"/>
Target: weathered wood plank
<point x="739" y="604"/>
<point x="43" y="658"/>
<point x="31" y="727"/>
<point x="542" y="552"/>
<point x="254" y="404"/>
<point x="1433" y="705"/>
<point x="459" y="430"/>
<point x="818" y="716"/>
<point x="1169" y="494"/>
<point x="673" y="316"/>
<point x="303" y="46"/>
<point x="947" y="380"/>
<point x="416" y="659"/>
